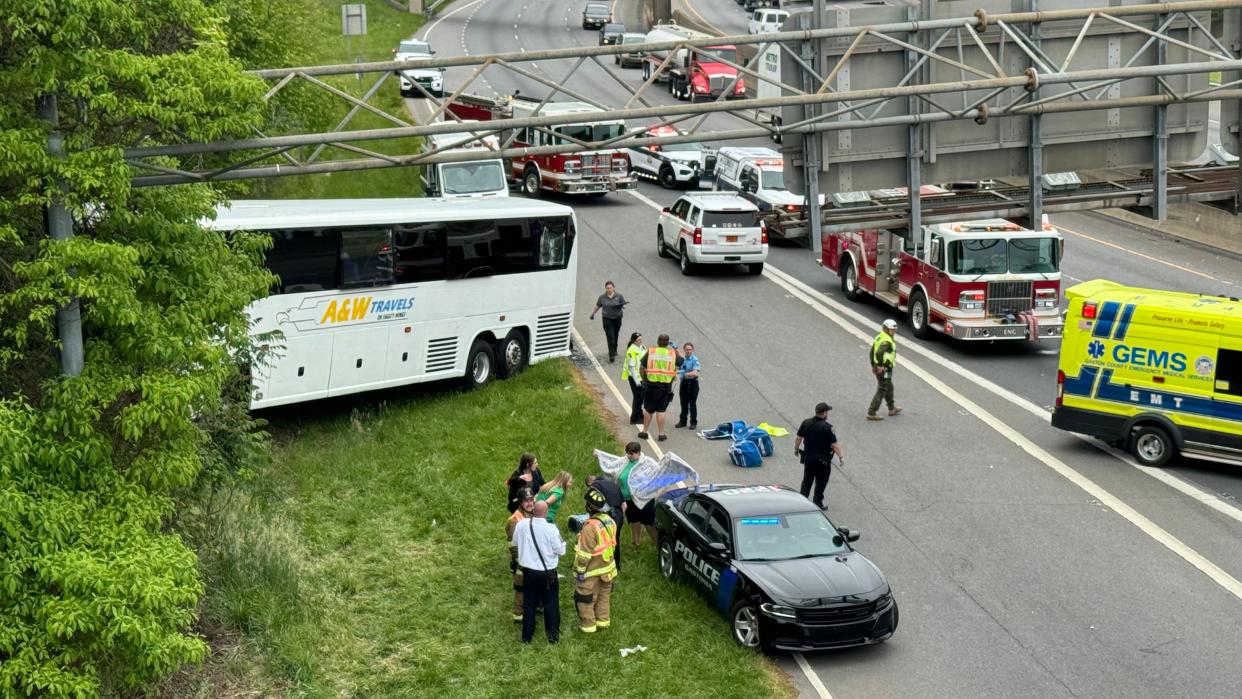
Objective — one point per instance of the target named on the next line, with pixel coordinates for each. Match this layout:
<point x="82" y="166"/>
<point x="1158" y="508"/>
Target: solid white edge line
<point x="455" y="10"/>
<point x="811" y="677"/>
<point x="1179" y="484"/>
<point x="616" y="392"/>
<point x="1151" y="529"/>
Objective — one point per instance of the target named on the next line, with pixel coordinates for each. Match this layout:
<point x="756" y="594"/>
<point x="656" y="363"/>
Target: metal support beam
<point x="812" y="145"/>
<point x="1035" y="149"/>
<point x="914" y="141"/>
<point x="60" y="227"/>
<point x="1160" y="143"/>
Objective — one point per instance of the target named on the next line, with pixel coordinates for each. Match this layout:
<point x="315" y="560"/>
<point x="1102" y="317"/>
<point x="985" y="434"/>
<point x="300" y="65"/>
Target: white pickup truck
<point x="470" y="179"/>
<point x="674" y="164"/>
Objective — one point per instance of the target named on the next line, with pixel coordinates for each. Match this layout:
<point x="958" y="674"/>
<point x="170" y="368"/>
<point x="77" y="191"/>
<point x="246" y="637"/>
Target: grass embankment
<point x="386" y="26"/>
<point x="392" y="520"/>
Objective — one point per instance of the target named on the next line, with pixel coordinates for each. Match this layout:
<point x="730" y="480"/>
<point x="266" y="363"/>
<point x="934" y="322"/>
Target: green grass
<point x="386" y="26"/>
<point x="386" y="572"/>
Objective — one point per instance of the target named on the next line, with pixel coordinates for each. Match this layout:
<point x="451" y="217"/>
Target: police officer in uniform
<point x="814" y="445"/>
<point x="883" y="358"/>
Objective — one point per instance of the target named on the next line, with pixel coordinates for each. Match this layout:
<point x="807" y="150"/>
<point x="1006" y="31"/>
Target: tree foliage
<point x="97" y="592"/>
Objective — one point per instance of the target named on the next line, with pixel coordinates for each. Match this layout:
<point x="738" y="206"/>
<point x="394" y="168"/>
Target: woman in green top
<point x="553" y="492"/>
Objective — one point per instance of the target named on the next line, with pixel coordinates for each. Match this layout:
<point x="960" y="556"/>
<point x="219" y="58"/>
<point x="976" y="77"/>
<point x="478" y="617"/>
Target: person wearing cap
<point x="616" y="507"/>
<point x="525" y="505"/>
<point x="883" y="358"/>
<point x="594" y="567"/>
<point x="814" y="445"/>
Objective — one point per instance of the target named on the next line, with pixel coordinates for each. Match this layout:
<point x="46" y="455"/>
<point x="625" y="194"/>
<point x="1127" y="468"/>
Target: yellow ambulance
<point x="1155" y="372"/>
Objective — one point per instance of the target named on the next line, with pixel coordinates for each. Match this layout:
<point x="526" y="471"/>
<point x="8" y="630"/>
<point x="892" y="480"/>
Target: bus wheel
<point x="512" y="355"/>
<point x="480" y="364"/>
<point x="1152" y="446"/>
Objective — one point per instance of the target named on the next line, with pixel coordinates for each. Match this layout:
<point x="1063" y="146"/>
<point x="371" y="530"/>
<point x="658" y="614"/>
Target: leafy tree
<point x="96" y="591"/>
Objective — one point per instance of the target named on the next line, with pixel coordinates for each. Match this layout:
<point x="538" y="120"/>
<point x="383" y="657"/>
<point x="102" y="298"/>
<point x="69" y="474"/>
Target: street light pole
<point x="60" y="227"/>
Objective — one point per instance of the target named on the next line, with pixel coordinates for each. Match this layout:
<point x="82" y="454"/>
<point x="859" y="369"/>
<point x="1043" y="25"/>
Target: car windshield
<point x="414" y="47"/>
<point x="715" y="53"/>
<point x="592" y="132"/>
<point x="596" y="10"/>
<point x="682" y="147"/>
<point x="1028" y="255"/>
<point x="614" y="28"/>
<point x="773" y="179"/>
<point x="978" y="256"/>
<point x="473" y="178"/>
<point x="728" y="219"/>
<point x="782" y="537"/>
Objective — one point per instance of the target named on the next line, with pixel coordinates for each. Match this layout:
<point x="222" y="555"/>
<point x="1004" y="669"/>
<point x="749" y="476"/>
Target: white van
<point x="766" y="21"/>
<point x="472" y="179"/>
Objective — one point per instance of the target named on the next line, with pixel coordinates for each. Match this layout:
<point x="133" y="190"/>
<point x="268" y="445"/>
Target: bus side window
<point x="473" y="250"/>
<point x="420" y="252"/>
<point x="516" y="245"/>
<point x="304" y="260"/>
<point x="556" y="239"/>
<point x="366" y="257"/>
<point x="1229" y="371"/>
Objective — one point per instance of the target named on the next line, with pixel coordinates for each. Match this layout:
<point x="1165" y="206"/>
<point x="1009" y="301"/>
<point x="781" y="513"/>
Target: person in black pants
<point x="616" y="507"/>
<point x="540" y="547"/>
<point x="632" y="373"/>
<point x="612" y="305"/>
<point x="688" y="368"/>
<point x="814" y="446"/>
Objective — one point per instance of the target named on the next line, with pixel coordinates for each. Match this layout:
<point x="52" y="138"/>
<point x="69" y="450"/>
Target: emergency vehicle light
<point x="1088" y="310"/>
<point x="770" y="163"/>
<point x="1060" y="387"/>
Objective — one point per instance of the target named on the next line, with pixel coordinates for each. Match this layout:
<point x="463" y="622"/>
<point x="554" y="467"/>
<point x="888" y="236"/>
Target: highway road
<point x="1027" y="561"/>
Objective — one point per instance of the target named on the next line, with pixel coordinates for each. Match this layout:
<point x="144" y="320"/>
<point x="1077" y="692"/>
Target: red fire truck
<point x="593" y="172"/>
<point x="972" y="280"/>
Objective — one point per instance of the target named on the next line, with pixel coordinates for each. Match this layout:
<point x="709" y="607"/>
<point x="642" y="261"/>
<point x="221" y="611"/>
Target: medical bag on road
<point x="745" y="453"/>
<point x="761" y="438"/>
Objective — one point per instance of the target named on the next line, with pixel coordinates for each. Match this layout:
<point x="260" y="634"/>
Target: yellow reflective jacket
<point x="596" y="544"/>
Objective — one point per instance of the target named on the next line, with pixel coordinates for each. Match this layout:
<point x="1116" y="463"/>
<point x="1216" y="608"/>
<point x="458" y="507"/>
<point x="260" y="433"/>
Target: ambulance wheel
<point x="1152" y="446"/>
<point x="480" y="365"/>
<point x="531" y="186"/>
<point x="667" y="179"/>
<point x="687" y="267"/>
<point x="920" y="321"/>
<point x="849" y="280"/>
<point x="744" y="620"/>
<point x="661" y="248"/>
<point x="512" y="355"/>
<point x="668" y="565"/>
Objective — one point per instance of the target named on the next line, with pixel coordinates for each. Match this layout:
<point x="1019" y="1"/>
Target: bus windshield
<point x="473" y="178"/>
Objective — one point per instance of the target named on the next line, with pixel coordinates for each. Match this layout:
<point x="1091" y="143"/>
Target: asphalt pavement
<point x="1026" y="561"/>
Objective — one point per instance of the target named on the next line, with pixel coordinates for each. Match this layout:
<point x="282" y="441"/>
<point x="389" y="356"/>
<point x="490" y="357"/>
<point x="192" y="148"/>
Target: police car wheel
<point x="1152" y="446"/>
<point x="667" y="568"/>
<point x="667" y="179"/>
<point x="744" y="620"/>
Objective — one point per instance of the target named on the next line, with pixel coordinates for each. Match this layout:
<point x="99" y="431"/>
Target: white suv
<point x="713" y="228"/>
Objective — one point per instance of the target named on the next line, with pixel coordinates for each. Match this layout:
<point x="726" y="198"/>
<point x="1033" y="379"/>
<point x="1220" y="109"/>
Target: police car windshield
<point x="683" y="147"/>
<point x="473" y="178"/>
<point x="773" y="179"/>
<point x="782" y="537"/>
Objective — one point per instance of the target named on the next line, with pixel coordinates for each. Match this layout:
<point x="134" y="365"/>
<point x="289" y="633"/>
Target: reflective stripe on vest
<point x="605" y="545"/>
<point x="875" y="348"/>
<point x="661" y="365"/>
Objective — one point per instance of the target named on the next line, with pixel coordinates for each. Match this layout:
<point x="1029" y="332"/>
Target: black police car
<point x="772" y="561"/>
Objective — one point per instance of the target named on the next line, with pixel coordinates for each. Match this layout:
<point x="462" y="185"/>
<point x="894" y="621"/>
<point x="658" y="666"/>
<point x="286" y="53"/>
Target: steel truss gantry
<point x="985" y="90"/>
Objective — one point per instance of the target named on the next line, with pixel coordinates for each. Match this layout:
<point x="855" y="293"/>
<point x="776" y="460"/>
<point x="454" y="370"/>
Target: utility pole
<point x="60" y="227"/>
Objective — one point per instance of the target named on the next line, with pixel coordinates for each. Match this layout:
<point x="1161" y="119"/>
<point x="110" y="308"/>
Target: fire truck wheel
<point x="661" y="248"/>
<point x="667" y="179"/>
<point x="530" y="182"/>
<point x="920" y="321"/>
<point x="849" y="280"/>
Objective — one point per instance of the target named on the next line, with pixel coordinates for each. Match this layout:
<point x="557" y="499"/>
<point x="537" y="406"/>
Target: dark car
<point x="773" y="562"/>
<point x="634" y="58"/>
<point x="611" y="33"/>
<point x="595" y="15"/>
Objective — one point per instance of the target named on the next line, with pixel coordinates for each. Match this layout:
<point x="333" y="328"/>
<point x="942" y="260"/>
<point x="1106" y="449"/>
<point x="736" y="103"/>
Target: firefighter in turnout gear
<point x="526" y="502"/>
<point x="883" y="357"/>
<point x="594" y="566"/>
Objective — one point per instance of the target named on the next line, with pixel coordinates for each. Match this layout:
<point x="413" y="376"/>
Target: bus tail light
<point x="1060" y="386"/>
<point x="763" y="232"/>
<point x="970" y="300"/>
<point x="698" y="236"/>
<point x="1088" y="310"/>
<point x="1045" y="298"/>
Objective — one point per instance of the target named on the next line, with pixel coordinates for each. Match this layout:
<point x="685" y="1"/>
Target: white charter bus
<point x="375" y="293"/>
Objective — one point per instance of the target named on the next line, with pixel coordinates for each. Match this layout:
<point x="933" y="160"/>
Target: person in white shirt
<point x="539" y="549"/>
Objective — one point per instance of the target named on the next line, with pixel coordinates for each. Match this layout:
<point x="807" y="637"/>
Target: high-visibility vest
<point x="875" y="349"/>
<point x="661" y="365"/>
<point x="633" y="354"/>
<point x="593" y="554"/>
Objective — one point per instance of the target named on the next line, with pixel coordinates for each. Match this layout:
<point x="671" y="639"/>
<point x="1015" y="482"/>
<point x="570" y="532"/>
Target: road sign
<point x="354" y="19"/>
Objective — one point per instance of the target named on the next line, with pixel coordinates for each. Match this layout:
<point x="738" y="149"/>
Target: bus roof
<point x="1227" y="311"/>
<point x="264" y="214"/>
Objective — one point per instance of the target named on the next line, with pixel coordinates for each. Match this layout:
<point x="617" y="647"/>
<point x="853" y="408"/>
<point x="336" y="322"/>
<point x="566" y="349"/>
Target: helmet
<point x="595" y="500"/>
<point x="890" y="324"/>
<point x="525" y="493"/>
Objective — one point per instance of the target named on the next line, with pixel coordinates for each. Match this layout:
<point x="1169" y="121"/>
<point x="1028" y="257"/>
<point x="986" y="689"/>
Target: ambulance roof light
<point x="1089" y="309"/>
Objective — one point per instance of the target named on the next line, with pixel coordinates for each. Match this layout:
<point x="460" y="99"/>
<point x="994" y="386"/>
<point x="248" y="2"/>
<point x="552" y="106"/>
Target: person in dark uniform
<point x="814" y="446"/>
<point x="616" y="506"/>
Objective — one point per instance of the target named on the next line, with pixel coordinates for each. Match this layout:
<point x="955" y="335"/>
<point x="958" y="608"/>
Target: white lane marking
<point x="452" y="12"/>
<point x="616" y="392"/>
<point x="690" y="6"/>
<point x="811" y="677"/>
<point x="1166" y="263"/>
<point x="1182" y="486"/>
<point x="1145" y="525"/>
